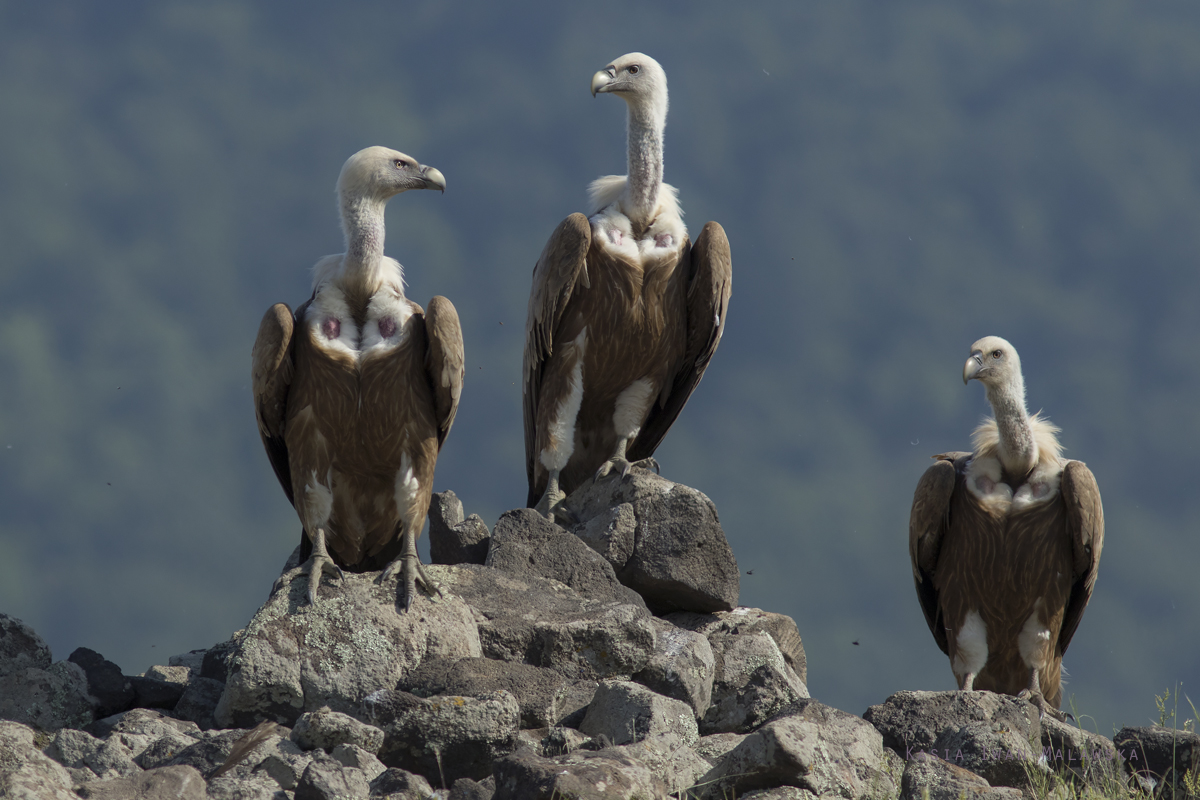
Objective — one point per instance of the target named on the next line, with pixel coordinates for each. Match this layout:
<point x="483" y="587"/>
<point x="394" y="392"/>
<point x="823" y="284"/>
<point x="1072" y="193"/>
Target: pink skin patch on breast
<point x="387" y="327"/>
<point x="664" y="240"/>
<point x="331" y="327"/>
<point x="614" y="235"/>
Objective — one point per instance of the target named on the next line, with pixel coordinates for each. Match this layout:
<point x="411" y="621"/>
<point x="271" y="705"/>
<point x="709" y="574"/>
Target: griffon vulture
<point x="1005" y="543"/>
<point x="355" y="394"/>
<point x="625" y="311"/>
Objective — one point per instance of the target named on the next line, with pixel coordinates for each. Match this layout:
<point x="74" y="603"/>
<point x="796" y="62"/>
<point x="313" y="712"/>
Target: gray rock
<point x="452" y="539"/>
<point x="1088" y="756"/>
<point x="547" y="624"/>
<point x="207" y="754"/>
<point x="259" y="786"/>
<point x="25" y="771"/>
<point x="612" y="533"/>
<point x="192" y="660"/>
<point x="714" y="747"/>
<point x="546" y="698"/>
<point x="752" y="683"/>
<point x="582" y="775"/>
<point x="467" y="789"/>
<point x="1159" y="755"/>
<point x="21" y="648"/>
<point x="680" y="561"/>
<point x="164" y="750"/>
<point x="352" y="755"/>
<point x="561" y="740"/>
<point x="172" y="674"/>
<point x="46" y="699"/>
<point x="993" y="735"/>
<point x="327" y="779"/>
<point x="669" y="757"/>
<point x="742" y="620"/>
<point x="165" y="783"/>
<point x="928" y="777"/>
<point x="215" y="662"/>
<point x="139" y="728"/>
<point x="110" y="690"/>
<point x="198" y="702"/>
<point x="682" y="666"/>
<point x="326" y="729"/>
<point x="446" y="737"/>
<point x="296" y="657"/>
<point x="284" y="765"/>
<point x="627" y="712"/>
<point x="526" y="543"/>
<point x="399" y="784"/>
<point x="819" y="749"/>
<point x="156" y="693"/>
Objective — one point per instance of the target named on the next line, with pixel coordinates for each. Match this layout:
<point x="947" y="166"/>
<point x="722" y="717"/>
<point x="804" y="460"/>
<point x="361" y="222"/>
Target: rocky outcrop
<point x="541" y="673"/>
<point x="663" y="539"/>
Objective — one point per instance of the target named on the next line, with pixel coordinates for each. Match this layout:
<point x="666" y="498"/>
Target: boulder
<point x="751" y="684"/>
<point x="546" y="623"/>
<point x="1088" y="756"/>
<point x="993" y="735"/>
<point x="928" y="777"/>
<point x="1159" y="756"/>
<point x="25" y="771"/>
<point x="818" y="749"/>
<point x="165" y="783"/>
<point x="111" y="692"/>
<point x="199" y="702"/>
<point x="526" y="543"/>
<point x="671" y="758"/>
<point x="781" y="628"/>
<point x="582" y="775"/>
<point x="452" y="539"/>
<point x="326" y="729"/>
<point x="46" y="699"/>
<point x="258" y="786"/>
<point x="296" y="657"/>
<point x="445" y="737"/>
<point x="21" y="648"/>
<point x="399" y="784"/>
<point x="467" y="789"/>
<point x="624" y="712"/>
<point x="154" y="692"/>
<point x="326" y="778"/>
<point x="682" y="666"/>
<point x="546" y="698"/>
<point x="351" y="755"/>
<point x="88" y="757"/>
<point x="140" y="728"/>
<point x="679" y="560"/>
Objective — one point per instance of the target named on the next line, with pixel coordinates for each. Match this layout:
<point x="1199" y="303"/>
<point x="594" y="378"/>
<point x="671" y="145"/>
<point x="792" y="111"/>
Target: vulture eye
<point x="634" y="69"/>
<point x="401" y="163"/>
<point x="997" y="353"/>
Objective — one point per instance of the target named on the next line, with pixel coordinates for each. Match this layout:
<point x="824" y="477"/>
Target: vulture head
<point x="994" y="363"/>
<point x="638" y="80"/>
<point x="379" y="173"/>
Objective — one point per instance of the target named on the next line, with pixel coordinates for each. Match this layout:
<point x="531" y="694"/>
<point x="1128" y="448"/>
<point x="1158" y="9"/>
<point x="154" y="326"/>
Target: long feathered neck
<point x="1017" y="448"/>
<point x="364" y="229"/>
<point x="645" y="139"/>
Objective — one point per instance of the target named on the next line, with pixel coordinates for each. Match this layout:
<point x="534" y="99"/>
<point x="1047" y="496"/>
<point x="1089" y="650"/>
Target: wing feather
<point x="561" y="266"/>
<point x="272" y="367"/>
<point x="710" y="284"/>
<point x="927" y="525"/>
<point x="1085" y="525"/>
<point x="444" y="361"/>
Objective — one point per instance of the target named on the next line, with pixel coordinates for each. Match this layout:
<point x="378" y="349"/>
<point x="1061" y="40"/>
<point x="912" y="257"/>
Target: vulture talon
<point x="317" y="565"/>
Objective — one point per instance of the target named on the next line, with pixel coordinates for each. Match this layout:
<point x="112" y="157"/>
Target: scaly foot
<point x="621" y="463"/>
<point x="318" y="564"/>
<point x="1039" y="700"/>
<point x="411" y="571"/>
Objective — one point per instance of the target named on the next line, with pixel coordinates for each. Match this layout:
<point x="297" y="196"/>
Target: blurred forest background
<point x="896" y="180"/>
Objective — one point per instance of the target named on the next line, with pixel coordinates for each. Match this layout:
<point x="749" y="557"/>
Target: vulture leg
<point x="410" y="569"/>
<point x="619" y="461"/>
<point x="968" y="683"/>
<point x="1034" y="695"/>
<point x="551" y="502"/>
<point x="318" y="564"/>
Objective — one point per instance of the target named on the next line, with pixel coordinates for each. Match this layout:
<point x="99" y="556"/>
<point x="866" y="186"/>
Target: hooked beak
<point x="602" y="79"/>
<point x="433" y="178"/>
<point x="973" y="366"/>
